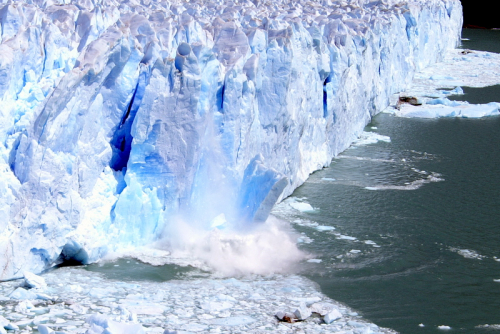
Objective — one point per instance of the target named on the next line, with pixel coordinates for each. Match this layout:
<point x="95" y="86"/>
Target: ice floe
<point x="323" y="228"/>
<point x="427" y="95"/>
<point x="191" y="305"/>
<point x="444" y="328"/>
<point x="301" y="206"/>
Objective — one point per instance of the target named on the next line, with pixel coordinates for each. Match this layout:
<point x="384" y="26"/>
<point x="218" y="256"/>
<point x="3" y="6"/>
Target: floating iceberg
<point x="117" y="116"/>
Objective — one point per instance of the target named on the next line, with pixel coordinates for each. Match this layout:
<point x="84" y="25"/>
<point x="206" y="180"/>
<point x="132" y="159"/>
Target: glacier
<point x="119" y="117"/>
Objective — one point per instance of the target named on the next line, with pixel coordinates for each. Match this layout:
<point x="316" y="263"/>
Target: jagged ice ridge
<point x="119" y="117"/>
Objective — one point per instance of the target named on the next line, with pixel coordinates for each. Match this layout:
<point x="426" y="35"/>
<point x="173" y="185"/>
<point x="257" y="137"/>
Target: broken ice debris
<point x="328" y="312"/>
<point x="303" y="312"/>
<point x="33" y="281"/>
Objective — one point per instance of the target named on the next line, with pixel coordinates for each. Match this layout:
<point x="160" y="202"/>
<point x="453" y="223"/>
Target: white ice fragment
<point x="113" y="327"/>
<point x="195" y="327"/>
<point x="43" y="296"/>
<point x="255" y="296"/>
<point x="302" y="312"/>
<point x="314" y="260"/>
<point x="323" y="228"/>
<point x="327" y="179"/>
<point x="302" y="206"/>
<point x="322" y="308"/>
<point x="332" y="316"/>
<point x="95" y="329"/>
<point x="3" y="322"/>
<point x="444" y="328"/>
<point x="233" y="321"/>
<point x="454" y="109"/>
<point x="45" y="329"/>
<point x="219" y="221"/>
<point x="368" y="138"/>
<point x="496" y="280"/>
<point x="146" y="308"/>
<point x="354" y="251"/>
<point x="421" y="325"/>
<point x="22" y="294"/>
<point x="34" y="281"/>
<point x="11" y="327"/>
<point x="24" y="306"/>
<point x="306" y="300"/>
<point x="216" y="306"/>
<point x="345" y="237"/>
<point x="356" y="324"/>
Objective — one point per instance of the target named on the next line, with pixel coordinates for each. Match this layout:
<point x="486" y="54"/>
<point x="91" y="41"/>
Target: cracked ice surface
<point x="79" y="301"/>
<point x="117" y="116"/>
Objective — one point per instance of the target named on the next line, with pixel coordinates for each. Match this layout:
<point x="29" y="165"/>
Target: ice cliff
<point x="119" y="117"/>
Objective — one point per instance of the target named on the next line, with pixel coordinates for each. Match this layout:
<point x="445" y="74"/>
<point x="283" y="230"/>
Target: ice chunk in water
<point x="34" y="281"/>
<point x="302" y="206"/>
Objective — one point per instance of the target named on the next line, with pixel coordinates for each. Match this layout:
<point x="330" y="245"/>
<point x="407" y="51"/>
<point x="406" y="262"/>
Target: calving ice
<point x="121" y="118"/>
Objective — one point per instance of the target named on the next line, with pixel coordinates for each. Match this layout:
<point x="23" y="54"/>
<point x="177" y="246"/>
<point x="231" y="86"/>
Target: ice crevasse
<point x="119" y="117"/>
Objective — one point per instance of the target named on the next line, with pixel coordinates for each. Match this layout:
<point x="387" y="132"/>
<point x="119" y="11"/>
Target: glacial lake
<point x="421" y="250"/>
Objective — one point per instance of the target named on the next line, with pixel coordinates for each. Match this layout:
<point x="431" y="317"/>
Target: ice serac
<point x="117" y="116"/>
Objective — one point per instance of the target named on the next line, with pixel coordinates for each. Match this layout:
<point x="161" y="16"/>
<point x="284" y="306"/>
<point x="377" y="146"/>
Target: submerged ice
<point x="121" y="118"/>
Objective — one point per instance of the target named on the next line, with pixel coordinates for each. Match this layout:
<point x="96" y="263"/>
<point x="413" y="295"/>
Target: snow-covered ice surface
<point x="80" y="301"/>
<point x="433" y="85"/>
<point x="121" y="118"/>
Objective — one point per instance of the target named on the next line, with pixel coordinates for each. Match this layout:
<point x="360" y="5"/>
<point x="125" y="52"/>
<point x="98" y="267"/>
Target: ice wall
<point x="119" y="116"/>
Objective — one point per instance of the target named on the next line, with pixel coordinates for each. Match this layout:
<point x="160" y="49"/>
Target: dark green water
<point x="478" y="95"/>
<point x="418" y="275"/>
<point x="481" y="39"/>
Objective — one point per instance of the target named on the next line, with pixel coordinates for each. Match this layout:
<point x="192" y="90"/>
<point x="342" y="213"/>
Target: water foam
<point x="467" y="253"/>
<point x="267" y="248"/>
<point x="414" y="185"/>
<point x="368" y="138"/>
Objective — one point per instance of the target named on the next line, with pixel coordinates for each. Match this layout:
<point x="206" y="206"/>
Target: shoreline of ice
<point x="78" y="301"/>
<point x="426" y="97"/>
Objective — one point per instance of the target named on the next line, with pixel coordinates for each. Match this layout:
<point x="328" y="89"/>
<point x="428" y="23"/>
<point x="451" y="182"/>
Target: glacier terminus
<point x="120" y="118"/>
